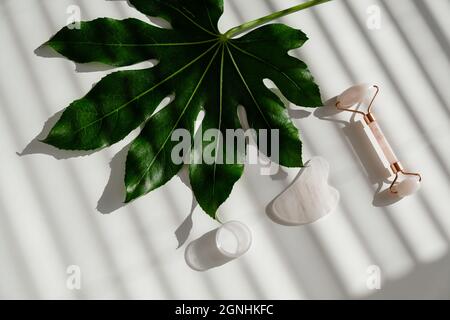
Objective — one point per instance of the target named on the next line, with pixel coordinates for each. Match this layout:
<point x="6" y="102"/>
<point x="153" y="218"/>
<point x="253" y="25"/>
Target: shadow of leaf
<point x="46" y="51"/>
<point x="113" y="195"/>
<point x="183" y="231"/>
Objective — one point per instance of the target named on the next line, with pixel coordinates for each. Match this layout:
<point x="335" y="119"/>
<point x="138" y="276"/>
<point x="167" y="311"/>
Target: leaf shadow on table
<point x="160" y="22"/>
<point x="45" y="51"/>
<point x="113" y="196"/>
<point x="183" y="231"/>
<point x="365" y="152"/>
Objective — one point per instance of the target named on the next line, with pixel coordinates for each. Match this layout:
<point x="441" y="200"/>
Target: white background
<point x="48" y="215"/>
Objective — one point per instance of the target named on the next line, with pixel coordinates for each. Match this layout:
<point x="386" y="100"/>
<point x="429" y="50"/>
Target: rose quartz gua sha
<point x="309" y="198"/>
<point x="356" y="95"/>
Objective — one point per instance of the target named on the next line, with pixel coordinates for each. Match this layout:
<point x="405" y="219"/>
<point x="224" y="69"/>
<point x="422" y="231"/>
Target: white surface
<point x="48" y="219"/>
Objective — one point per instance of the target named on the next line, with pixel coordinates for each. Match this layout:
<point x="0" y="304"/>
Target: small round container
<point x="219" y="246"/>
<point x="233" y="239"/>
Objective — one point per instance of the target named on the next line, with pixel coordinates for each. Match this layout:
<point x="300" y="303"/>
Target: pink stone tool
<point x="356" y="95"/>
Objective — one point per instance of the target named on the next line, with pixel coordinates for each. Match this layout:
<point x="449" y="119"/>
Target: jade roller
<point x="356" y="95"/>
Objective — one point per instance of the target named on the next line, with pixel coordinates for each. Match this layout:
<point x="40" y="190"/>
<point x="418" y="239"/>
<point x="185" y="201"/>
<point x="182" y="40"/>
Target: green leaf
<point x="203" y="69"/>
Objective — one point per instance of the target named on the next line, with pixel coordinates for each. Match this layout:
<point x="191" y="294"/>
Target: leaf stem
<point x="276" y="15"/>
